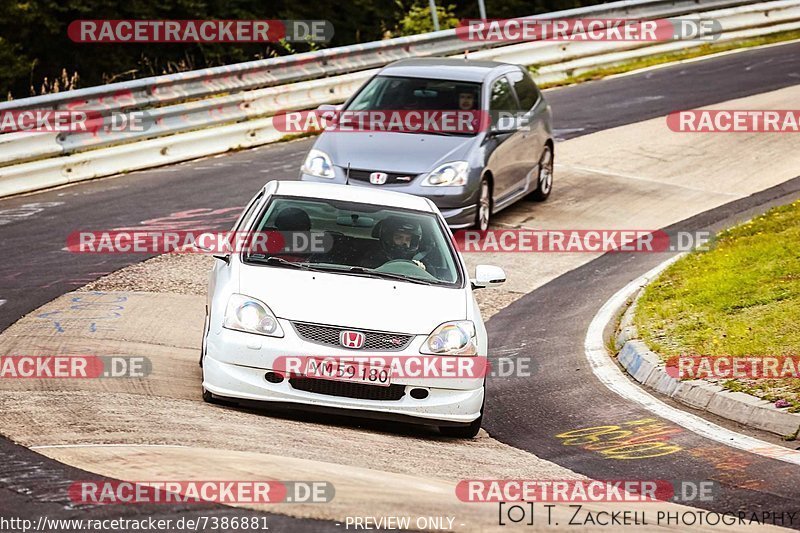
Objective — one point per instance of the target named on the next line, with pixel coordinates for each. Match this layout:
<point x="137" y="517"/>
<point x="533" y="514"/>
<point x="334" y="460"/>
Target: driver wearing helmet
<point x="400" y="239"/>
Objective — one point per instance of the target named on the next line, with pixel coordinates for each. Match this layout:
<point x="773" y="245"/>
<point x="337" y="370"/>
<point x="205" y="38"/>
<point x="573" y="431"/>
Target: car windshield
<point x="391" y="93"/>
<point x="356" y="239"/>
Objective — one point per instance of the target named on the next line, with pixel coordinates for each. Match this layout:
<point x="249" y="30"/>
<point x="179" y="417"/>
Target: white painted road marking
<point x="641" y="178"/>
<point x="612" y="377"/>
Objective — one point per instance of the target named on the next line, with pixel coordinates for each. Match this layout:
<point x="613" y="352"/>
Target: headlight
<point x="452" y="338"/>
<point x="453" y="173"/>
<point x="318" y="164"/>
<point x="248" y="314"/>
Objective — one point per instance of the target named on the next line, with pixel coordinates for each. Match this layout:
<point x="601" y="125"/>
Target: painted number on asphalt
<point x="7" y="216"/>
<point x="636" y="439"/>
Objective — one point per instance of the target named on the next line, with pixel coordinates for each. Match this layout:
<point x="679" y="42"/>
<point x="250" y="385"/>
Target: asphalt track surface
<point x="35" y="269"/>
<point x="33" y="486"/>
<point x="564" y="396"/>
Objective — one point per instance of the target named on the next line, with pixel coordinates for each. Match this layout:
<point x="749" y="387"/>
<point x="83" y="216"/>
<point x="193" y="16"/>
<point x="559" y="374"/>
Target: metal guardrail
<point x="206" y="122"/>
<point x="575" y="57"/>
<point x="167" y="89"/>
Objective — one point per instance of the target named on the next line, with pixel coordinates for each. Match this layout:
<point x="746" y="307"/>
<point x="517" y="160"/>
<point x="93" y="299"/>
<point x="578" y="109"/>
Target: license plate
<point x="351" y="371"/>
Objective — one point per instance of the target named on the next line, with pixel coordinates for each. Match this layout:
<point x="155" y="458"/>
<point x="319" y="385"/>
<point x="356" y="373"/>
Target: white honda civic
<point x="364" y="308"/>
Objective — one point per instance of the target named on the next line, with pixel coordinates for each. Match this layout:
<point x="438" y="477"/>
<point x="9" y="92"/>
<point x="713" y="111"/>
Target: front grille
<point x="348" y="390"/>
<point x="376" y="341"/>
<point x="391" y="177"/>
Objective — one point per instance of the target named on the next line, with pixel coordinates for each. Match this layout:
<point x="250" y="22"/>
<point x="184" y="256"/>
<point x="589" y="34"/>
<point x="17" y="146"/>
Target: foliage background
<point x="36" y="56"/>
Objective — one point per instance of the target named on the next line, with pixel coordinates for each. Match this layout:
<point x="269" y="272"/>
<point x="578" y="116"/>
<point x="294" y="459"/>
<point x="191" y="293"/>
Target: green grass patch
<point x="644" y="62"/>
<point x="740" y="297"/>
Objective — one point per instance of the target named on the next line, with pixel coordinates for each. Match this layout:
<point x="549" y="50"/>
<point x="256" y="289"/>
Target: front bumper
<point x="236" y="363"/>
<point x="457" y="204"/>
<point x="463" y="217"/>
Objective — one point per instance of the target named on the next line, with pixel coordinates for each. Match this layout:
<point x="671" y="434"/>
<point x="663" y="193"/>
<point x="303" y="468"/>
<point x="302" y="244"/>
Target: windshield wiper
<point x="431" y="132"/>
<point x="387" y="275"/>
<point x="278" y="261"/>
<point x="447" y="133"/>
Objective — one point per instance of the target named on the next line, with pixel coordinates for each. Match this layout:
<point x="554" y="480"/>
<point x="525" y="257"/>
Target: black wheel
<point x="463" y="432"/>
<point x="544" y="180"/>
<point x="484" y="206"/>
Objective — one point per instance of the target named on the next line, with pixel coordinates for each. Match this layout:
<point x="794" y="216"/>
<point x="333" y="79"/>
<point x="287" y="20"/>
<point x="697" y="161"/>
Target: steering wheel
<point x="394" y="261"/>
<point x="401" y="266"/>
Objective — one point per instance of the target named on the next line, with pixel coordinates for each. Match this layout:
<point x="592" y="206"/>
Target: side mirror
<point x="329" y="114"/>
<point x="487" y="276"/>
<point x="209" y="243"/>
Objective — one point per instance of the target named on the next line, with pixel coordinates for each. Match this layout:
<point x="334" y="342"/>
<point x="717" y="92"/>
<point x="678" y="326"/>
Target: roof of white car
<point x="349" y="193"/>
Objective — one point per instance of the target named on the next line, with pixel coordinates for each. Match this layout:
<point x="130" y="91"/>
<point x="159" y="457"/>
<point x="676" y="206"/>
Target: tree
<point x="34" y="46"/>
<point x="419" y="20"/>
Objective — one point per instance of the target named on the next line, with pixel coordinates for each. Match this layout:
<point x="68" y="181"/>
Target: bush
<point x="418" y="20"/>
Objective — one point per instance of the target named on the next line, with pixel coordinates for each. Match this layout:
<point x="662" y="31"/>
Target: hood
<point x="353" y="301"/>
<point x="394" y="152"/>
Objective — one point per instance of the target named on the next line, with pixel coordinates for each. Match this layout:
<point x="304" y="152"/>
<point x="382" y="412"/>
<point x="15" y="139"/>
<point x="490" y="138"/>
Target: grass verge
<point x="644" y="62"/>
<point x="741" y="297"/>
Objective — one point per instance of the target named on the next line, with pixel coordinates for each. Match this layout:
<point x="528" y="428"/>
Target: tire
<point x="468" y="431"/>
<point x="216" y="400"/>
<point x="463" y="432"/>
<point x="484" y="213"/>
<point x="208" y="397"/>
<point x="203" y="342"/>
<point x="544" y="179"/>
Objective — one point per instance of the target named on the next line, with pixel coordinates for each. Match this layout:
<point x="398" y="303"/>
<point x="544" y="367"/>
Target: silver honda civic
<point x="469" y="174"/>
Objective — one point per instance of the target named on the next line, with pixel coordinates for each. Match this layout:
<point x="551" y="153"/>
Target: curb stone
<point x="646" y="367"/>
